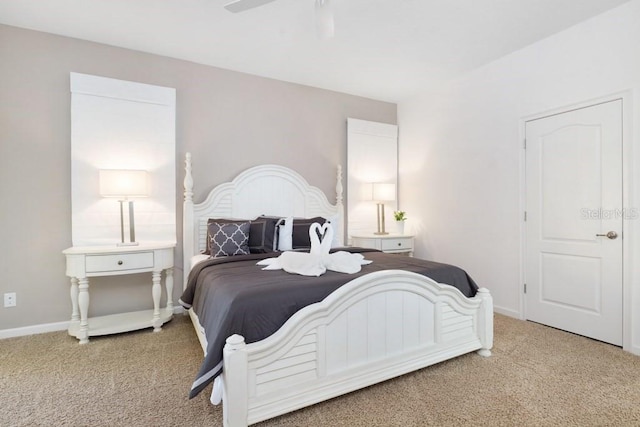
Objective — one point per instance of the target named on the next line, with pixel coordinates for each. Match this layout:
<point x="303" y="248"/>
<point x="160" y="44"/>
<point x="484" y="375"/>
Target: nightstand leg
<point x="156" y="291"/>
<point x="83" y="303"/>
<point x="168" y="283"/>
<point x="75" y="312"/>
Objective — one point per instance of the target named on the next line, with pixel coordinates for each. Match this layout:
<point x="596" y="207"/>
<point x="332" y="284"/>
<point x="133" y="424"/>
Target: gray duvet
<point x="233" y="295"/>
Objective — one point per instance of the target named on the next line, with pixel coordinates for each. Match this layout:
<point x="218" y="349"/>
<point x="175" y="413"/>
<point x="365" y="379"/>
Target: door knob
<point x="611" y="235"/>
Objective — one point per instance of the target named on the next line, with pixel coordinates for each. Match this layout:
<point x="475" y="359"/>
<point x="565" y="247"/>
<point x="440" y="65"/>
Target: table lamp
<point x="125" y="184"/>
<point x="380" y="192"/>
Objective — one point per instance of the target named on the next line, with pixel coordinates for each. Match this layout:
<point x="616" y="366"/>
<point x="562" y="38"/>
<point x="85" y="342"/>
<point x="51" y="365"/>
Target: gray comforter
<point x="233" y="295"/>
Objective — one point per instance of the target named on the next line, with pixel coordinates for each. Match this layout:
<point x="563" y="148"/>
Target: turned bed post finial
<point x="340" y="206"/>
<point x="339" y="188"/>
<point x="188" y="179"/>
<point x="187" y="220"/>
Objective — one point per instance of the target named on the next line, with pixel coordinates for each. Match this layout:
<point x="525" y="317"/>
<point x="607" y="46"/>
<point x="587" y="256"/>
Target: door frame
<point x="627" y="183"/>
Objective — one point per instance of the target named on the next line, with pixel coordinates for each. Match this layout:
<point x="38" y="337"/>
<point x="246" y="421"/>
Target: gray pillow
<point x="263" y="236"/>
<point x="228" y="239"/>
<point x="301" y="239"/>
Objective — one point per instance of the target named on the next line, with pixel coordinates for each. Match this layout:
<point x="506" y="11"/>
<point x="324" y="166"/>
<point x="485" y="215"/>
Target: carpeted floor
<point x="537" y="376"/>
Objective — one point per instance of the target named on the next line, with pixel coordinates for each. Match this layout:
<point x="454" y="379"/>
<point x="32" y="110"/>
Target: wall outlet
<point x="9" y="299"/>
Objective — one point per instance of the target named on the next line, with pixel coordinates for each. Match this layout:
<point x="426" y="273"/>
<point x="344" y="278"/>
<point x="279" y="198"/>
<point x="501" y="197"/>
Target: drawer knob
<point x="120" y="262"/>
<point x="399" y="244"/>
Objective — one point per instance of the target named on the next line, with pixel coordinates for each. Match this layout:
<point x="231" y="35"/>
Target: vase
<point x="399" y="227"/>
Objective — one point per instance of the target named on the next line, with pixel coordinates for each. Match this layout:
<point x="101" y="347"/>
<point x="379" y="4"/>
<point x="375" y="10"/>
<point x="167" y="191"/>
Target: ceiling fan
<point x="323" y="17"/>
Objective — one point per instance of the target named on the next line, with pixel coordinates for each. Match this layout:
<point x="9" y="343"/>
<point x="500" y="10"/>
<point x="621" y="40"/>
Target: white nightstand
<point x="388" y="243"/>
<point x="92" y="261"/>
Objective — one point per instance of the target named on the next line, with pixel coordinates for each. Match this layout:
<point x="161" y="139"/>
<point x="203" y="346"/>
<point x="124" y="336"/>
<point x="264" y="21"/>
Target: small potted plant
<point x="400" y="217"/>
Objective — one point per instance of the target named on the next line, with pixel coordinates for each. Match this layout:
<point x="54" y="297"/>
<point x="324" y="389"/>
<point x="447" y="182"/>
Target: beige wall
<point x="228" y="120"/>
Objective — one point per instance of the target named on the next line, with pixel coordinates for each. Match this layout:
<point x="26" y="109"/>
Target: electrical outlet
<point x="10" y="299"/>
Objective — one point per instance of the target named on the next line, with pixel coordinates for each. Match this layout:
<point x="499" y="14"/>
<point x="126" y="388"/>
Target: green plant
<point x="400" y="215"/>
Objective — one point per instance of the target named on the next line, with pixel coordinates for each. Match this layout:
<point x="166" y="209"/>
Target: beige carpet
<point x="537" y="376"/>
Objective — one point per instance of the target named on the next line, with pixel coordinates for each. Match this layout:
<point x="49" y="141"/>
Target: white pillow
<point x="333" y="220"/>
<point x="285" y="236"/>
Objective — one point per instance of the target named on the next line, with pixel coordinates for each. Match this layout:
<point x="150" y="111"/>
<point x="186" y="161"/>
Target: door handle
<point x="611" y="235"/>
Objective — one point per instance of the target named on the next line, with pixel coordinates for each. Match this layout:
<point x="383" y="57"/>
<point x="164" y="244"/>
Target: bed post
<point x="485" y="322"/>
<point x="187" y="221"/>
<point x="235" y="394"/>
<point x="339" y="205"/>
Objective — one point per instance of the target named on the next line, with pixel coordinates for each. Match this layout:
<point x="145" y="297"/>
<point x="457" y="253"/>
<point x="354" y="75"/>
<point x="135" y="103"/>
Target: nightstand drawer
<point x="396" y="244"/>
<point x="118" y="262"/>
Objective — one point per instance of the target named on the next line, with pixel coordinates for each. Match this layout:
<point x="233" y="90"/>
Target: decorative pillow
<point x="263" y="236"/>
<point x="285" y="231"/>
<point x="228" y="239"/>
<point x="207" y="250"/>
<point x="300" y="231"/>
<point x="333" y="220"/>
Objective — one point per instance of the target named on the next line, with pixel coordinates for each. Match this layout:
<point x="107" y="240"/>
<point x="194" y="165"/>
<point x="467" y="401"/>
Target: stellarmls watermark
<point x="600" y="213"/>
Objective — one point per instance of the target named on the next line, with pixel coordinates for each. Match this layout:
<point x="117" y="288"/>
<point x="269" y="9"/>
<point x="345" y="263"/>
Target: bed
<point x="373" y="326"/>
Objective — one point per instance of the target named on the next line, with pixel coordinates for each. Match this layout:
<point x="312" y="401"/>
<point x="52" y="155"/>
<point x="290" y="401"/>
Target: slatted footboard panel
<point x="376" y="327"/>
<point x="380" y="326"/>
<point x="297" y="366"/>
<point x="455" y="325"/>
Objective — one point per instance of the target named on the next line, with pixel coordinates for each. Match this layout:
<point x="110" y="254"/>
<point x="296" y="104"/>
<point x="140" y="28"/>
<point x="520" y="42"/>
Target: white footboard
<point x="374" y="328"/>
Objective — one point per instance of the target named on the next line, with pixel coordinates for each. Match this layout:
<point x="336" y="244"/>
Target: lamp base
<point x="132" y="232"/>
<point x="380" y="212"/>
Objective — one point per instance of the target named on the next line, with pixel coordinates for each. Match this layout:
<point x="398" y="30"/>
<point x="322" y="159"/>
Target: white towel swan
<point x="318" y="260"/>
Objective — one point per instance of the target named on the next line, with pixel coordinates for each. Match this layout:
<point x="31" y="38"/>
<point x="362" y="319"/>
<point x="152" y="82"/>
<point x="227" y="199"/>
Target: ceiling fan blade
<point x="237" y="6"/>
<point x="324" y="19"/>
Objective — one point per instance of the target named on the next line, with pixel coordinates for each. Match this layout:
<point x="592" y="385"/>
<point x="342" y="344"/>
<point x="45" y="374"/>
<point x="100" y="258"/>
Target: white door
<point x="573" y="270"/>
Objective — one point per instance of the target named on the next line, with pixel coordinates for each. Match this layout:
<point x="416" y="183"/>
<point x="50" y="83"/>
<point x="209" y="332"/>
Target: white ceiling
<point x="382" y="49"/>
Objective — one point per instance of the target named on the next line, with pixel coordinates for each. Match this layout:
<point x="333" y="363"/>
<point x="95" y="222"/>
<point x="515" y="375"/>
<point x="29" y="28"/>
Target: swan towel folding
<point x="318" y="260"/>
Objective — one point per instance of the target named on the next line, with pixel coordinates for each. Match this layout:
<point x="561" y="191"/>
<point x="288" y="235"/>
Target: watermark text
<point x="600" y="213"/>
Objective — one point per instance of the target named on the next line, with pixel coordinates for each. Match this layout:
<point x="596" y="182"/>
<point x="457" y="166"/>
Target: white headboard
<point x="260" y="190"/>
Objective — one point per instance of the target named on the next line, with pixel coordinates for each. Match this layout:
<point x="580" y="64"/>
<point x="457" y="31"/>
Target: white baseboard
<point x="507" y="312"/>
<point x="50" y="327"/>
<point x="34" y="329"/>
<point x="633" y="349"/>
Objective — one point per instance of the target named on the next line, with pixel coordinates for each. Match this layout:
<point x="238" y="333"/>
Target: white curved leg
<point x="168" y="283"/>
<point x="156" y="291"/>
<point x="75" y="311"/>
<point x="83" y="304"/>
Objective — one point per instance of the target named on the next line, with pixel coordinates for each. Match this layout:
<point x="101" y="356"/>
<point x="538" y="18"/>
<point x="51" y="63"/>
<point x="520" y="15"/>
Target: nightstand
<point x="388" y="243"/>
<point x="93" y="261"/>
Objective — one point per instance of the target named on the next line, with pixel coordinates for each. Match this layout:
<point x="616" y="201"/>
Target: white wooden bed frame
<point x="374" y="328"/>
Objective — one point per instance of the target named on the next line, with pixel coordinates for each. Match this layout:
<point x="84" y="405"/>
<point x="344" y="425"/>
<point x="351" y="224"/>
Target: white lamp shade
<point x="378" y="191"/>
<point x="124" y="183"/>
<point x="383" y="192"/>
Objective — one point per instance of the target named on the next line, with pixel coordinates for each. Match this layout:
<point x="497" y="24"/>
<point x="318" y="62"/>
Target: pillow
<point x="207" y="250"/>
<point x="263" y="233"/>
<point x="300" y="231"/>
<point x="285" y="231"/>
<point x="333" y="220"/>
<point x="228" y="239"/>
<point x="263" y="237"/>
